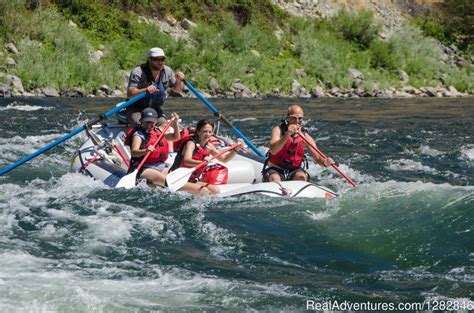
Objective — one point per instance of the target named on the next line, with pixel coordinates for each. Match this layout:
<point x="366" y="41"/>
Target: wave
<point x="24" y="107"/>
<point x="409" y="165"/>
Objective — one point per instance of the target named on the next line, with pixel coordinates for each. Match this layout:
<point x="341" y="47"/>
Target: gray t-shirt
<point x="138" y="78"/>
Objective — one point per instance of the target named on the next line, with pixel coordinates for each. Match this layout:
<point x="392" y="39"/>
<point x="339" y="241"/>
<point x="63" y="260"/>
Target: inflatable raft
<point x="104" y="157"/>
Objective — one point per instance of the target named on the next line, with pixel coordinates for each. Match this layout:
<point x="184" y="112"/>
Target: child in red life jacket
<point x="143" y="140"/>
<point x="197" y="149"/>
<point x="287" y="150"/>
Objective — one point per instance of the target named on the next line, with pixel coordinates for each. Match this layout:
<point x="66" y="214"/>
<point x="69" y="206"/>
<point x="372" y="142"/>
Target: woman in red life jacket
<point x="143" y="140"/>
<point x="194" y="151"/>
<point x="287" y="150"/>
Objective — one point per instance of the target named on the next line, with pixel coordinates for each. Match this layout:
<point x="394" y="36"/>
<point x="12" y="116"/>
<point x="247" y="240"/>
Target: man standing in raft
<point x="287" y="150"/>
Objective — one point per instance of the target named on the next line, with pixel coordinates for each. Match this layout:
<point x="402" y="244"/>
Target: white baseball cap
<point x="156" y="52"/>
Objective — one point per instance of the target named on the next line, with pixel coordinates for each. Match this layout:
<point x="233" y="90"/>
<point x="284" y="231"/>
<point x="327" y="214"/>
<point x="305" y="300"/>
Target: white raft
<point x="103" y="154"/>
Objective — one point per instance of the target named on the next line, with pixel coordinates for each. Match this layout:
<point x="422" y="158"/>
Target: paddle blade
<point x="128" y="181"/>
<point x="178" y="178"/>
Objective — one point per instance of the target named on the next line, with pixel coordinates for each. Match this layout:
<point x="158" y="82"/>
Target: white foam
<point x="467" y="153"/>
<point x="426" y="150"/>
<point x="245" y="119"/>
<point x="318" y="216"/>
<point x="54" y="288"/>
<point x="14" y="147"/>
<point x="24" y="107"/>
<point x="409" y="165"/>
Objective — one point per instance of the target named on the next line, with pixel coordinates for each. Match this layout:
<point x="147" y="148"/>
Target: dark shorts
<point x="284" y="174"/>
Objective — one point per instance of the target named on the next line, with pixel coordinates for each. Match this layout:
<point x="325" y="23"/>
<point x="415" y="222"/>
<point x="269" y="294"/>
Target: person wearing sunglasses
<point x="153" y="78"/>
<point x="287" y="150"/>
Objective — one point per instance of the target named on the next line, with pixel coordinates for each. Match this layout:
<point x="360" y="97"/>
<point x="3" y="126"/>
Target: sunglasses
<point x="297" y="117"/>
<point x="158" y="59"/>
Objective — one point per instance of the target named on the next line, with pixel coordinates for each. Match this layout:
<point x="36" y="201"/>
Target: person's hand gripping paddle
<point x="178" y="178"/>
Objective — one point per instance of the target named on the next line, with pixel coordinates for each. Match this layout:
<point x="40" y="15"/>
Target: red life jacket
<point x="185" y="134"/>
<point x="161" y="150"/>
<point x="291" y="155"/>
<point x="199" y="154"/>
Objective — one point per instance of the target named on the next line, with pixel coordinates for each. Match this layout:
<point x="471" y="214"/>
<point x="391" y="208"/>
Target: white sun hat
<point x="156" y="52"/>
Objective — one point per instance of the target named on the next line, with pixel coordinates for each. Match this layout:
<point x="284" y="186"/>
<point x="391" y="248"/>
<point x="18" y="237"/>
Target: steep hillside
<point x="229" y="47"/>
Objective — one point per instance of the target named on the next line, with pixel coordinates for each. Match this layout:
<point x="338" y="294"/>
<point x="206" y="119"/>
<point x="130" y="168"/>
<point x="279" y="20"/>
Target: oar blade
<point x="128" y="181"/>
<point x="178" y="178"/>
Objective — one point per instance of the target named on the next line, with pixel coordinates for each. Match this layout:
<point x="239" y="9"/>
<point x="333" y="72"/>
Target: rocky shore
<point x="14" y="88"/>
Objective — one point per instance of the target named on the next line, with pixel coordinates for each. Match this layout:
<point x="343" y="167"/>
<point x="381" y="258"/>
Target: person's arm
<point x="133" y="82"/>
<point x="277" y="140"/>
<point x="135" y="149"/>
<point x="176" y="135"/>
<point x="188" y="154"/>
<point x="178" y="84"/>
<point x="319" y="159"/>
<point x="228" y="155"/>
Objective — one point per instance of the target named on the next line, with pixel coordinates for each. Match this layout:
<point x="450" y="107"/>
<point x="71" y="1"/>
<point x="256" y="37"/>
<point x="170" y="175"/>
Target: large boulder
<point x="317" y="92"/>
<point x="10" y="62"/>
<point x="75" y="92"/>
<point x="430" y="91"/>
<point x="295" y="88"/>
<point x="357" y="78"/>
<point x="50" y="92"/>
<point x="404" y="78"/>
<point x="213" y="85"/>
<point x="187" y="24"/>
<point x="5" y="91"/>
<point x="454" y="92"/>
<point x="16" y="83"/>
<point x="11" y="48"/>
<point x="240" y="90"/>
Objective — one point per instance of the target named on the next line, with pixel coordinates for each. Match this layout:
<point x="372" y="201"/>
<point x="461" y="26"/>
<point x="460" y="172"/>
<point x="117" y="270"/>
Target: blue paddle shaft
<point x="71" y="134"/>
<point x="215" y="111"/>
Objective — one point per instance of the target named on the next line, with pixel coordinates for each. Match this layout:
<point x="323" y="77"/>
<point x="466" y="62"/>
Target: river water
<point x="404" y="235"/>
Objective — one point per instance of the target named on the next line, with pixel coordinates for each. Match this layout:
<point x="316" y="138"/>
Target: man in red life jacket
<point x="287" y="150"/>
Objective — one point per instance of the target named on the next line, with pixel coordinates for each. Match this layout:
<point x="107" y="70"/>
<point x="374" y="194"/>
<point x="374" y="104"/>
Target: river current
<point x="404" y="235"/>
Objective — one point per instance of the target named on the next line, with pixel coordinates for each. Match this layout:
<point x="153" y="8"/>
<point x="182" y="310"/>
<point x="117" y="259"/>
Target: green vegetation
<point x="451" y="23"/>
<point x="239" y="43"/>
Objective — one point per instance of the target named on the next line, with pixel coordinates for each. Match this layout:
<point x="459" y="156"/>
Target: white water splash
<point x="409" y="165"/>
<point x="426" y="150"/>
<point x="24" y="107"/>
<point x="467" y="153"/>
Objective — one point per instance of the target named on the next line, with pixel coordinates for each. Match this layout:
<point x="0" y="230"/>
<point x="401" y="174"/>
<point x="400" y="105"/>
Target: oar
<point x="325" y="157"/>
<point x="129" y="180"/>
<point x="178" y="178"/>
<point x="218" y="114"/>
<point x="72" y="134"/>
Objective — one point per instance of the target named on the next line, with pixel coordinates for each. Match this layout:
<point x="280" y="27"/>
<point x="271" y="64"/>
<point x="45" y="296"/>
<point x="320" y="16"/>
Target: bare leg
<point x="300" y="175"/>
<point x="155" y="177"/>
<point x="196" y="188"/>
<point x="274" y="178"/>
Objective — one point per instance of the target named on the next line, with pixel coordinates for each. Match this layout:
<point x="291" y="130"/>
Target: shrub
<point x="356" y="27"/>
<point x="381" y="55"/>
<point x="61" y="59"/>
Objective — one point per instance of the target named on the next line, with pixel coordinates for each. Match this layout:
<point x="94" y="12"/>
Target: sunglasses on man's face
<point x="297" y="117"/>
<point x="158" y="59"/>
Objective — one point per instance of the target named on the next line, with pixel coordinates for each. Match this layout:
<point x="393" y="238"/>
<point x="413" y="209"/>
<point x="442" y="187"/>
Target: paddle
<point x="178" y="178"/>
<point x="325" y="157"/>
<point x="129" y="180"/>
<point x="72" y="134"/>
<point x="218" y="114"/>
